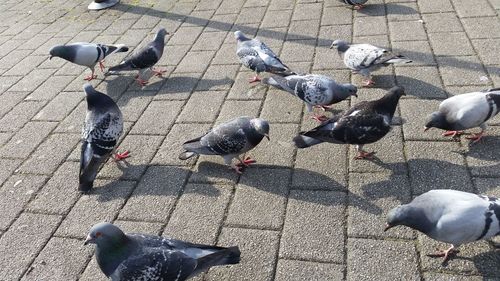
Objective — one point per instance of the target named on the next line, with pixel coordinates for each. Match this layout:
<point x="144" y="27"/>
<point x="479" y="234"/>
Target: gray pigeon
<point x="86" y="54"/>
<point x="466" y="111"/>
<point x="256" y="56"/>
<point x="145" y="58"/>
<point x="229" y="140"/>
<point x="128" y="257"/>
<point x="365" y="122"/>
<point x="101" y="131"/>
<point x="313" y="89"/>
<point x="357" y="4"/>
<point x="365" y="58"/>
<point x="449" y="216"/>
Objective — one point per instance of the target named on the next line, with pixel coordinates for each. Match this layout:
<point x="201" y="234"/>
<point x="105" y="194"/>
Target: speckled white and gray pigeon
<point x="449" y="216"/>
<point x="365" y="58"/>
<point x="357" y="4"/>
<point x="101" y="131"/>
<point x="366" y="122"/>
<point x="466" y="111"/>
<point x="229" y="140"/>
<point x="131" y="257"/>
<point x="145" y="58"/>
<point x="313" y="89"/>
<point x="86" y="54"/>
<point x="258" y="57"/>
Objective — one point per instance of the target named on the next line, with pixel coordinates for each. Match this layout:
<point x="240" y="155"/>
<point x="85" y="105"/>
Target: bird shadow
<point x="487" y="263"/>
<point x="487" y="149"/>
<point x="379" y="9"/>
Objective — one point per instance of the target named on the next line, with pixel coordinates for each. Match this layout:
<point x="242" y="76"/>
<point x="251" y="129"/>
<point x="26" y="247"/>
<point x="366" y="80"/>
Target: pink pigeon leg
<point x="159" y="72"/>
<point x="447" y="254"/>
<point x="358" y="7"/>
<point x="364" y="155"/>
<point x="246" y="162"/>
<point x="90" y="77"/>
<point x="319" y="118"/>
<point x="256" y="78"/>
<point x="101" y="65"/>
<point x="453" y="133"/>
<point x="475" y="138"/>
<point x="121" y="156"/>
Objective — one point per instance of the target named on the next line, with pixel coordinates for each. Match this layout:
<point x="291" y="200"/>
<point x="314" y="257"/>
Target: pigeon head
<point x="340" y="45"/>
<point x="62" y="51"/>
<point x="238" y="35"/>
<point x="261" y="126"/>
<point x="160" y="34"/>
<point x="347" y="90"/>
<point x="96" y="99"/>
<point x="436" y="120"/>
<point x="105" y="234"/>
<point x="410" y="216"/>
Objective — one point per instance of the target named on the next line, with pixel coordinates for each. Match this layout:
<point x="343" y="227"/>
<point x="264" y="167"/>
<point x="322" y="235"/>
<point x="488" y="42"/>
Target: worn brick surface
<point x="297" y="214"/>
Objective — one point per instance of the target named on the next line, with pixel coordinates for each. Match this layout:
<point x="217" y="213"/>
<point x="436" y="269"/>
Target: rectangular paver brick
<point x="27" y="139"/>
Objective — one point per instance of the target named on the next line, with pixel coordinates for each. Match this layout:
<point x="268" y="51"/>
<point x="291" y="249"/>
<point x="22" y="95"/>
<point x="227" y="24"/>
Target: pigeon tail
<point x="89" y="166"/>
<point x="276" y="81"/>
<point x="284" y="73"/>
<point x="118" y="48"/>
<point x="304" y="141"/>
<point x="120" y="67"/>
<point x="224" y="256"/>
<point x="186" y="155"/>
<point x="399" y="59"/>
<point x="86" y="186"/>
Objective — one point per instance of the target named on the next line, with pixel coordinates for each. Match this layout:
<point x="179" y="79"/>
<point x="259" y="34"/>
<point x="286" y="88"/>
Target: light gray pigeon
<point x="128" y="257"/>
<point x="449" y="216"/>
<point x="256" y="56"/>
<point x="313" y="89"/>
<point x="365" y="58"/>
<point x="466" y="111"/>
<point x="365" y="122"/>
<point x="357" y="4"/>
<point x="145" y="58"/>
<point x="101" y="131"/>
<point x="86" y="54"/>
<point x="229" y="140"/>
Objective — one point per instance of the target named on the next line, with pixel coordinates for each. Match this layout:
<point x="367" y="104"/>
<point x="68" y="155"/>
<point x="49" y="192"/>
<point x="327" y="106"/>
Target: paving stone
<point x="313" y="222"/>
<point x="467" y="9"/>
<point x="25" y="238"/>
<point x="198" y="213"/>
<point x="419" y="52"/>
<point x="442" y="22"/>
<point x="25" y="66"/>
<point x="453" y="44"/>
<point x="19" y="115"/>
<point x="142" y="148"/>
<point x="7" y="82"/>
<point x="257" y="262"/>
<point x="168" y="153"/>
<point x="178" y="86"/>
<point x="364" y="258"/>
<point x="299" y="50"/>
<point x="259" y="200"/>
<point x="421" y="82"/>
<point x="461" y="70"/>
<point x="482" y="160"/>
<point x="59" y="107"/>
<point x="209" y="41"/>
<point x="27" y="139"/>
<point x="195" y="62"/>
<point x="303" y="30"/>
<point x="174" y="54"/>
<point x="50" y="88"/>
<point x="327" y="34"/>
<point x="62" y="259"/>
<point x="202" y="107"/>
<point x="409" y="31"/>
<point x="15" y="193"/>
<point x="154" y="197"/>
<point x="431" y="6"/>
<point x="218" y="78"/>
<point x="484" y="27"/>
<point x="224" y="55"/>
<point x="221" y="23"/>
<point x="185" y="36"/>
<point x="436" y="165"/>
<point x="235" y="108"/>
<point x="50" y="154"/>
<point x="276" y="18"/>
<point x="281" y="106"/>
<point x="278" y="152"/>
<point x="488" y="186"/>
<point x="433" y="276"/>
<point x="364" y="26"/>
<point x="307" y="11"/>
<point x="371" y="197"/>
<point x="242" y="90"/>
<point x="104" y="202"/>
<point x="133" y="103"/>
<point x="402" y="12"/>
<point x="292" y="270"/>
<point x="13" y="58"/>
<point x="336" y="15"/>
<point x="251" y="15"/>
<point x="147" y="123"/>
<point x="74" y="121"/>
<point x="486" y="48"/>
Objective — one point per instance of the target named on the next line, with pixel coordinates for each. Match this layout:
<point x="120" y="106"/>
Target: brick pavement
<point x="312" y="214"/>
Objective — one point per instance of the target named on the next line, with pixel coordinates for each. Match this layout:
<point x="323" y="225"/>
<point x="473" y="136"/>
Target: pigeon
<point x="133" y="256"/>
<point x="229" y="140"/>
<point x="449" y="216"/>
<point x="314" y="90"/>
<point x="258" y="57"/>
<point x="86" y="54"/>
<point x="145" y="58"/>
<point x="366" y="122"/>
<point x="102" y="129"/>
<point x="365" y="58"/>
<point x="357" y="4"/>
<point x="466" y="111"/>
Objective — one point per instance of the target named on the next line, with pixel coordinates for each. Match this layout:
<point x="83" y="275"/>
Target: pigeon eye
<point x="98" y="234"/>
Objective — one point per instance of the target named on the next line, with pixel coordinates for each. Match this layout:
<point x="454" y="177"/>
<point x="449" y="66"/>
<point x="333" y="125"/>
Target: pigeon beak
<point x="267" y="136"/>
<point x="50" y="57"/>
<point x="426" y="128"/>
<point x="332" y="46"/>
<point x="356" y="95"/>
<point x="88" y="240"/>
<point x="388" y="226"/>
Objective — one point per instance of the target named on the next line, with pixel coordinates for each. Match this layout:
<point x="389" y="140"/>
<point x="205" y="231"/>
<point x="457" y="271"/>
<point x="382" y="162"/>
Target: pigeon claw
<point x="447" y="254"/>
<point x="101" y="65"/>
<point x="247" y="162"/>
<point x="475" y="138"/>
<point x="158" y="72"/>
<point x="90" y="77"/>
<point x="141" y="82"/>
<point x="121" y="156"/>
<point x="254" y="79"/>
<point x="453" y="134"/>
<point x="368" y="83"/>
<point x="237" y="169"/>
<point x="365" y="155"/>
<point x="320" y="118"/>
<point x="358" y="7"/>
<point x="323" y="107"/>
